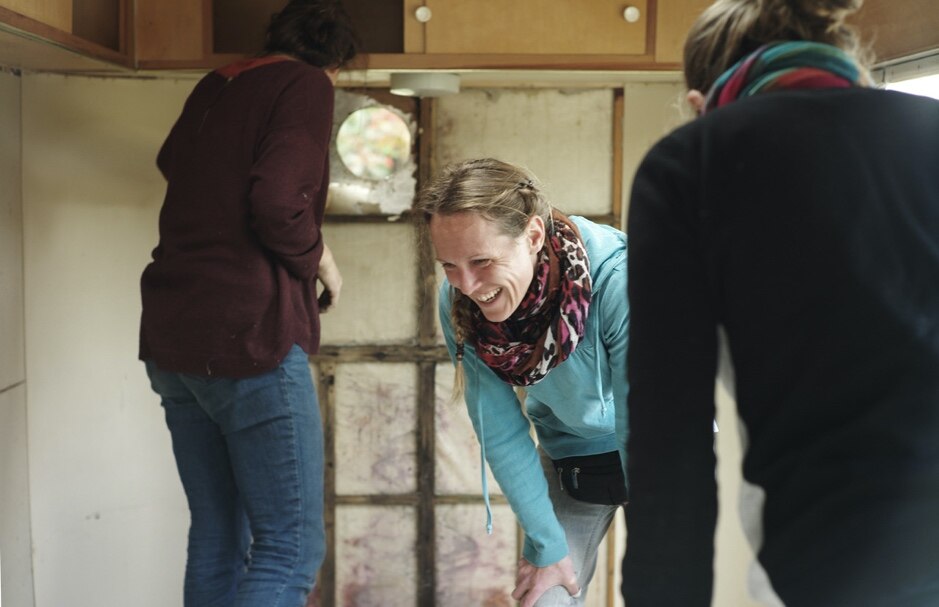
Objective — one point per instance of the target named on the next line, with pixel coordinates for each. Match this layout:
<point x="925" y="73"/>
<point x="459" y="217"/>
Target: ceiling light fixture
<point x="424" y="84"/>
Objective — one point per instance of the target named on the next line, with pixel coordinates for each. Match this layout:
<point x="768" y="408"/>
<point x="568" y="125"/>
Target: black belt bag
<point x="595" y="479"/>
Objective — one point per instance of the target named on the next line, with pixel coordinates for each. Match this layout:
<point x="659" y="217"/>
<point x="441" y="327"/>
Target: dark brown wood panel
<point x="99" y="21"/>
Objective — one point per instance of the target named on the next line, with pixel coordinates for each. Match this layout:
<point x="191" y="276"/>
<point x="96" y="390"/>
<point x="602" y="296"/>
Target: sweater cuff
<point x="547" y="553"/>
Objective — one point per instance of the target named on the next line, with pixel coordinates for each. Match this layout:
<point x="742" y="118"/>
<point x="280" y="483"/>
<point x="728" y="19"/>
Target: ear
<point x="536" y="234"/>
<point x="696" y="101"/>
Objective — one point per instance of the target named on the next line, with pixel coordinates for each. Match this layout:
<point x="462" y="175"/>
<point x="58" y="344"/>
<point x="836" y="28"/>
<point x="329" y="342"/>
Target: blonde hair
<point x="729" y="30"/>
<point x="502" y="193"/>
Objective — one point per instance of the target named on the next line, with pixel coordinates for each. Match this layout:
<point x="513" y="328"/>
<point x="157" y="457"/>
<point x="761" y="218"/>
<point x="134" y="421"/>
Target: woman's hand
<point x="329" y="275"/>
<point x="531" y="582"/>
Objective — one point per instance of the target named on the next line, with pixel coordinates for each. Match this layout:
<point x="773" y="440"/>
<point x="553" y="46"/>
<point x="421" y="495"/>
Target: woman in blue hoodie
<point x="534" y="299"/>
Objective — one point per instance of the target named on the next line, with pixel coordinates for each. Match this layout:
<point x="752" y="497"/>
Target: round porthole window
<point x="373" y="143"/>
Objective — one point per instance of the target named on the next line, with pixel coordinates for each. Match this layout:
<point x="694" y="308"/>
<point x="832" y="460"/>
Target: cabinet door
<point x="899" y="28"/>
<point x="169" y="30"/>
<point x="55" y="13"/>
<point x="672" y="22"/>
<point x="596" y="27"/>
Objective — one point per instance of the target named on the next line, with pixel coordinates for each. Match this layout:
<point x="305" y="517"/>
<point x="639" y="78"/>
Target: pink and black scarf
<point x="549" y="321"/>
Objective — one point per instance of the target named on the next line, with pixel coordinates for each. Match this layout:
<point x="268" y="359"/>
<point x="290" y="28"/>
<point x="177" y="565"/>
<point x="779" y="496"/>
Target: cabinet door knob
<point x="631" y="14"/>
<point x="423" y="14"/>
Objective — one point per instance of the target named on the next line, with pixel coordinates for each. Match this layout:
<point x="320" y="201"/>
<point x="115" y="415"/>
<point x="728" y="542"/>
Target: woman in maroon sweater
<point x="230" y="309"/>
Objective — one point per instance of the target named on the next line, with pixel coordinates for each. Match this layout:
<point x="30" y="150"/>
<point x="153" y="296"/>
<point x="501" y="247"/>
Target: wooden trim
<point x="392" y="353"/>
<point x="652" y="10"/>
<point x="208" y="29"/>
<point x="416" y="61"/>
<point x="426" y="486"/>
<point x="327" y="397"/>
<point x="31" y="29"/>
<point x="126" y="33"/>
<point x="456" y="61"/>
<point x="618" y="109"/>
<point x="427" y="282"/>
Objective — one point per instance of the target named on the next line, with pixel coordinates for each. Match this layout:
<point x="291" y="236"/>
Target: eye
<point x="481" y="263"/>
<point x="446" y="266"/>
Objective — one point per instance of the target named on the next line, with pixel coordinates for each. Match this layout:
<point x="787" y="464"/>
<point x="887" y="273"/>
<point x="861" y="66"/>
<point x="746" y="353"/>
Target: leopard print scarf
<point x="549" y="321"/>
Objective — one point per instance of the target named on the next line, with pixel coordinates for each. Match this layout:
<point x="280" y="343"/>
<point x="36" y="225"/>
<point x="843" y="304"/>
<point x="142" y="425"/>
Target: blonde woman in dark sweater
<point x="798" y="216"/>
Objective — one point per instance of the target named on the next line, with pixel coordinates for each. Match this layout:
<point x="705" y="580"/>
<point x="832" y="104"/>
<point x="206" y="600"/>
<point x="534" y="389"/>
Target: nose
<point x="466" y="280"/>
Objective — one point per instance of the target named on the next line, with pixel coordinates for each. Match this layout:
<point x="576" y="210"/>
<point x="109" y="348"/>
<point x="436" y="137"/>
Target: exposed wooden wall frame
<point x="425" y="352"/>
<point x="617" y="186"/>
<point x="426" y="387"/>
<point x="326" y="389"/>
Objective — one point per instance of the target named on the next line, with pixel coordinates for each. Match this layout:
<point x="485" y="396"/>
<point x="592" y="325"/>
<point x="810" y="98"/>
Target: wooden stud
<point x="618" y="106"/>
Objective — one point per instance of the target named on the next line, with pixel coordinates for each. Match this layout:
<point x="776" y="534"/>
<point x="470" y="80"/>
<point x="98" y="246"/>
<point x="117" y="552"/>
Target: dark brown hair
<point x="318" y="32"/>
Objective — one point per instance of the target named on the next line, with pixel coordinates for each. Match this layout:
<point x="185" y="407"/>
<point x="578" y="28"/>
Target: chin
<point x="496" y="315"/>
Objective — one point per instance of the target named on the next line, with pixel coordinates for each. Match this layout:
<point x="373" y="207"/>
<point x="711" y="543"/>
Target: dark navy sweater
<point x="806" y="224"/>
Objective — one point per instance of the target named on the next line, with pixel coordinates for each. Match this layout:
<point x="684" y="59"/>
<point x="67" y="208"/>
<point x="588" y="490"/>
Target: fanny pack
<point x="595" y="479"/>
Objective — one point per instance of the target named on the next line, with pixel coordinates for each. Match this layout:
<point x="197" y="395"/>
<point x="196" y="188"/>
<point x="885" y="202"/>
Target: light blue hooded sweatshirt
<point x="579" y="408"/>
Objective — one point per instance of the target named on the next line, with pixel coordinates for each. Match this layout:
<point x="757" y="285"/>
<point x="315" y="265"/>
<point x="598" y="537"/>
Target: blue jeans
<point x="250" y="456"/>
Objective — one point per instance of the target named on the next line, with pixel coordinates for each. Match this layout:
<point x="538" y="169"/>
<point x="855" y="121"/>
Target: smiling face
<point x="485" y="264"/>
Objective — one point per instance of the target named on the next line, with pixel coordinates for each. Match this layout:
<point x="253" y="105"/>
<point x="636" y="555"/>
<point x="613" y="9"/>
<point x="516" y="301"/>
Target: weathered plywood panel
<point x="564" y="137"/>
<point x="458" y="462"/>
<point x="376" y="419"/>
<point x="378" y="303"/>
<point x="474" y="568"/>
<point x="376" y="561"/>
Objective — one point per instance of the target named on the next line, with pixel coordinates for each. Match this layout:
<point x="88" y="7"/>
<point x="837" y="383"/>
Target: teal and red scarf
<point x="784" y="65"/>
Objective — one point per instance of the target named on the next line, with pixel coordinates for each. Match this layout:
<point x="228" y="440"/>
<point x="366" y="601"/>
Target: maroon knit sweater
<point x="232" y="284"/>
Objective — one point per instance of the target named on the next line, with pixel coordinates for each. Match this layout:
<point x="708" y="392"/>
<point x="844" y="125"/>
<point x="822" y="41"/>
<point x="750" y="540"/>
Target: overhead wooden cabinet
<point x="673" y="19"/>
<point x="54" y="13"/>
<point x="171" y="33"/>
<point x="598" y="27"/>
<point x="96" y="29"/>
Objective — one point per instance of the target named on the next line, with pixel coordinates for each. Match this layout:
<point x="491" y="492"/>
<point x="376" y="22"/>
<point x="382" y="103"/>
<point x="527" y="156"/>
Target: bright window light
<point x="928" y="86"/>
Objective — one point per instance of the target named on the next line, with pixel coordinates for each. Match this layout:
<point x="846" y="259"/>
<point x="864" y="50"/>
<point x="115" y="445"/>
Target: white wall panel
<point x="651" y="111"/>
<point x="109" y="518"/>
<point x="564" y="137"/>
<point x="16" y="576"/>
<point x="12" y="369"/>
